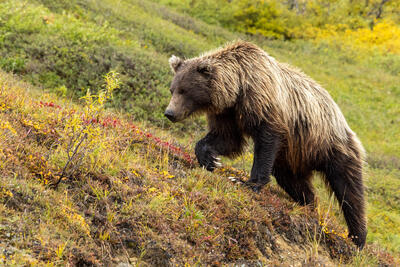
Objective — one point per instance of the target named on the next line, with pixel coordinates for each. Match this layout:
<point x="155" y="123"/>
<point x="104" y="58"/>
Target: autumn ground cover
<point x="132" y="192"/>
<point x="133" y="196"/>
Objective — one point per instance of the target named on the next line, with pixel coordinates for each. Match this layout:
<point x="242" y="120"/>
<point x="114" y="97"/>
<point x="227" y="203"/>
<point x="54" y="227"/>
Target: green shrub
<point x="60" y="50"/>
<point x="74" y="49"/>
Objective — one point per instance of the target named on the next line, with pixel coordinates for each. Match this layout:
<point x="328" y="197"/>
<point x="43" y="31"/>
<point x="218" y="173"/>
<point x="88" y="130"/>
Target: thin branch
<point x="69" y="161"/>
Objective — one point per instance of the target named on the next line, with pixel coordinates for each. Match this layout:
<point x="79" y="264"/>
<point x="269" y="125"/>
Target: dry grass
<point x="137" y="198"/>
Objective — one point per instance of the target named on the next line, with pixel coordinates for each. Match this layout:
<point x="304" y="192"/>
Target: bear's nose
<point x="170" y="115"/>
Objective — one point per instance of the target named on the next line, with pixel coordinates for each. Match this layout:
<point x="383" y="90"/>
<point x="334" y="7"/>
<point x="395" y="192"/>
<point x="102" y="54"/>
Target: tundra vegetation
<point x="83" y="87"/>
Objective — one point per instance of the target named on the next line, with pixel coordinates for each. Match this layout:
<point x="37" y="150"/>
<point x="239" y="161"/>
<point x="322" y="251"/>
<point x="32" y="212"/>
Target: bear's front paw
<point x="255" y="187"/>
<point x="209" y="162"/>
<point x="206" y="157"/>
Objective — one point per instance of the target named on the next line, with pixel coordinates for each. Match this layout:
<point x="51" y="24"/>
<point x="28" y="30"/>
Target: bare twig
<point x="54" y="185"/>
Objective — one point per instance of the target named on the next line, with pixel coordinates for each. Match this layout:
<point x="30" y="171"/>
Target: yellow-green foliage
<point x="81" y="132"/>
<point x="260" y="18"/>
<point x="354" y="24"/>
<point x="384" y="37"/>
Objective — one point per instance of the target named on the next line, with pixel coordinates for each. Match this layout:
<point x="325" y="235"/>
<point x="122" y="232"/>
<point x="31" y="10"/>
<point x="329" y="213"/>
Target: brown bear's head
<point x="190" y="87"/>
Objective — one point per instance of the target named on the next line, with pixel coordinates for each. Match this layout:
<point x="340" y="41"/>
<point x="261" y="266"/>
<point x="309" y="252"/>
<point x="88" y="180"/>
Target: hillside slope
<point x="130" y="196"/>
<point x="134" y="183"/>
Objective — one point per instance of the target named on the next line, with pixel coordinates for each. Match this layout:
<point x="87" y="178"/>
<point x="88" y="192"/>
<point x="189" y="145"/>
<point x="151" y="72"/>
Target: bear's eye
<point x="182" y="91"/>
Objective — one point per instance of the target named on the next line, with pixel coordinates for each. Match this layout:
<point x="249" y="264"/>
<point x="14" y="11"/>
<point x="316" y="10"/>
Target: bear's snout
<point x="170" y="115"/>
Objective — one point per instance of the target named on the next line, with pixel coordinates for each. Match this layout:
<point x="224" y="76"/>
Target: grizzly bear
<point x="296" y="127"/>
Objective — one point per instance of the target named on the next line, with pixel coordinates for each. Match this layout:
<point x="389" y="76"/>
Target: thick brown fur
<point x="246" y="92"/>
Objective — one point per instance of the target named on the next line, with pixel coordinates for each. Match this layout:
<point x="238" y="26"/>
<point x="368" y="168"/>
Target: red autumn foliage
<point x="115" y="122"/>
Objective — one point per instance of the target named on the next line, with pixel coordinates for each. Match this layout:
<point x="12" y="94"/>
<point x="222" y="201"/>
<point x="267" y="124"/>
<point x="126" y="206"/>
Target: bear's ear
<point x="205" y="67"/>
<point x="175" y="62"/>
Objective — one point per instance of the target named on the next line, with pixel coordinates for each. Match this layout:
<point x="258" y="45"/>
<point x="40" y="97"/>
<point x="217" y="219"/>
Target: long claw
<point x="235" y="180"/>
<point x="218" y="164"/>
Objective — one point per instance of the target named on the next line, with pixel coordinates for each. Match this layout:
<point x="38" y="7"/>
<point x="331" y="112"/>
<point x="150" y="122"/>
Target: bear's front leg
<point x="266" y="146"/>
<point x="206" y="154"/>
<point x="207" y="150"/>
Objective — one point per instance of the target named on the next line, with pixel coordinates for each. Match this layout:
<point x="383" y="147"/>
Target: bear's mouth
<point x="170" y="115"/>
<point x="173" y="117"/>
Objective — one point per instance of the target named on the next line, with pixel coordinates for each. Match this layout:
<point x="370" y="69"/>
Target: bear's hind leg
<point x="344" y="175"/>
<point x="298" y="187"/>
